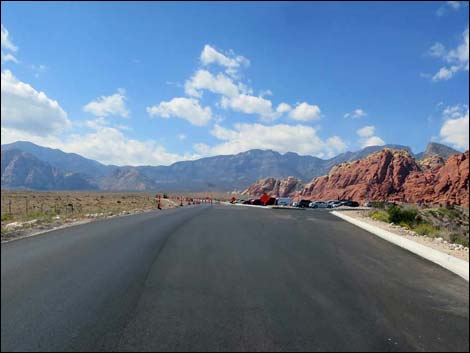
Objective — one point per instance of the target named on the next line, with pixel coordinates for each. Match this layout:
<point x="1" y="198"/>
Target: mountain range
<point x="29" y="166"/>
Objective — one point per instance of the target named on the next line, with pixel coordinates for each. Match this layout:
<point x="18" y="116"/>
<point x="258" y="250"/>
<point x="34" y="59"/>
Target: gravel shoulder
<point x="439" y="244"/>
<point x="24" y="229"/>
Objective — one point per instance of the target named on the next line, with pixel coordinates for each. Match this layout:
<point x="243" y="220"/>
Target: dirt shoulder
<point x="437" y="243"/>
<point x="23" y="226"/>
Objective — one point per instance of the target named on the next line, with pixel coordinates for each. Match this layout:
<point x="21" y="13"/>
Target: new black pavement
<point x="226" y="278"/>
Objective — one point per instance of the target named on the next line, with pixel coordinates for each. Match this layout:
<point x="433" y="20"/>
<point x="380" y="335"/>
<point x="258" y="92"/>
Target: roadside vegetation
<point x="450" y="224"/>
<point x="22" y="211"/>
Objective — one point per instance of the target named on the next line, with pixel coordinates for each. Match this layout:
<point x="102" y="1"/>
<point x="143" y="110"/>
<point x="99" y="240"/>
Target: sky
<point x="143" y="83"/>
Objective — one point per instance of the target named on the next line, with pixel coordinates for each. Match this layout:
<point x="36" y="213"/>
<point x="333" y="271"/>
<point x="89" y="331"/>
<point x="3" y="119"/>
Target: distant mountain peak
<point x="434" y="148"/>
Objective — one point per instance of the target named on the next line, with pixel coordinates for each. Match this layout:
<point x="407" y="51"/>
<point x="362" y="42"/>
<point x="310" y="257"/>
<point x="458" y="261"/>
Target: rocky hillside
<point x="275" y="187"/>
<point x="387" y="175"/>
<point x="448" y="183"/>
<point x="434" y="149"/>
<point x="66" y="162"/>
<point x="392" y="175"/>
<point x="23" y="170"/>
<point x="126" y="179"/>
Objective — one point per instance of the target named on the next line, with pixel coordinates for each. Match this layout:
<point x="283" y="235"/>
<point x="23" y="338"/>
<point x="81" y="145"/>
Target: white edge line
<point x="449" y="262"/>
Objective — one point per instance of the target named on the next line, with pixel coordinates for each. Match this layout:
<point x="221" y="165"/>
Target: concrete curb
<point x="451" y="263"/>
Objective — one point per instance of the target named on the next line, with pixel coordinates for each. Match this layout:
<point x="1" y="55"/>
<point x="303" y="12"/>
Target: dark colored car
<point x="272" y="201"/>
<point x="304" y="203"/>
<point x="256" y="202"/>
<point x="350" y="203"/>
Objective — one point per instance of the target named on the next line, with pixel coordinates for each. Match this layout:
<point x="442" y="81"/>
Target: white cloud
<point x="24" y="108"/>
<point x="110" y="146"/>
<point x="356" y="113"/>
<point x="305" y="112"/>
<point x="366" y="131"/>
<point x="444" y="73"/>
<point x="437" y="50"/>
<point x="282" y="138"/>
<point x="109" y="105"/>
<point x="248" y="104"/>
<point x="266" y="92"/>
<point x="204" y="80"/>
<point x="457" y="58"/>
<point x="455" y="129"/>
<point x="184" y="108"/>
<point x="283" y="108"/>
<point x="337" y="144"/>
<point x="373" y="141"/>
<point x="450" y="6"/>
<point x="182" y="137"/>
<point x="7" y="43"/>
<point x="104" y="143"/>
<point x="202" y="148"/>
<point x="9" y="57"/>
<point x="456" y="111"/>
<point x="229" y="60"/>
<point x="367" y="137"/>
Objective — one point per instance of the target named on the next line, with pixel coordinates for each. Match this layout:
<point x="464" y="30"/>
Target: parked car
<point x="350" y="203"/>
<point x="322" y="204"/>
<point x="313" y="205"/>
<point x="304" y="203"/>
<point x="334" y="204"/>
<point x="284" y="201"/>
<point x="295" y="204"/>
<point x="367" y="204"/>
<point x="272" y="201"/>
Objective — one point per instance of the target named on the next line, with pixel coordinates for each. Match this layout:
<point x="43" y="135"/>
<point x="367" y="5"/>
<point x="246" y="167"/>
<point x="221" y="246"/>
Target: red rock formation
<point x="379" y="176"/>
<point x="432" y="162"/>
<point x="387" y="175"/>
<point x="275" y="187"/>
<point x="446" y="184"/>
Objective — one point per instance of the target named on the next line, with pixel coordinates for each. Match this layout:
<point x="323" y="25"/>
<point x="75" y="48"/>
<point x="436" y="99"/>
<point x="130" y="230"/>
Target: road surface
<point x="221" y="278"/>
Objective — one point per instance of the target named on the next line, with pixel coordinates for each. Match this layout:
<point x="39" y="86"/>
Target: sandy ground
<point x="435" y="243"/>
<point x="36" y="227"/>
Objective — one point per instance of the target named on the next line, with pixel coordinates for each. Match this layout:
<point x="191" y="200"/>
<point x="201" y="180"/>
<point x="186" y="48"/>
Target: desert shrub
<point x="426" y="229"/>
<point x="165" y="196"/>
<point x="6" y="217"/>
<point x="380" y="215"/>
<point x="399" y="215"/>
<point x="458" y="239"/>
<point x="35" y="214"/>
<point x="447" y="212"/>
<point x="380" y="205"/>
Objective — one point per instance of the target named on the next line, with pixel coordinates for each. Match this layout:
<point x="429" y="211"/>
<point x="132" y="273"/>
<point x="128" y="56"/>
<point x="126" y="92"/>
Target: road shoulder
<point x="456" y="265"/>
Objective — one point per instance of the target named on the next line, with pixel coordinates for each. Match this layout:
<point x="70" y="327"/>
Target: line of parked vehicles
<point x="287" y="201"/>
<point x="325" y="204"/>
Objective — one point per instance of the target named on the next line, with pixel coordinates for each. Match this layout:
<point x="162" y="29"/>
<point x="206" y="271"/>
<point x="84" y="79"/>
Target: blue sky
<point x="154" y="83"/>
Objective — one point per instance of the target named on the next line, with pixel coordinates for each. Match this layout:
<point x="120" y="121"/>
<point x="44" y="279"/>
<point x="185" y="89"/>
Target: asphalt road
<point x="220" y="278"/>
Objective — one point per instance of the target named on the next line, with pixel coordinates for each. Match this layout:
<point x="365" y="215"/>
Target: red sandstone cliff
<point x="387" y="175"/>
<point x="275" y="187"/>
